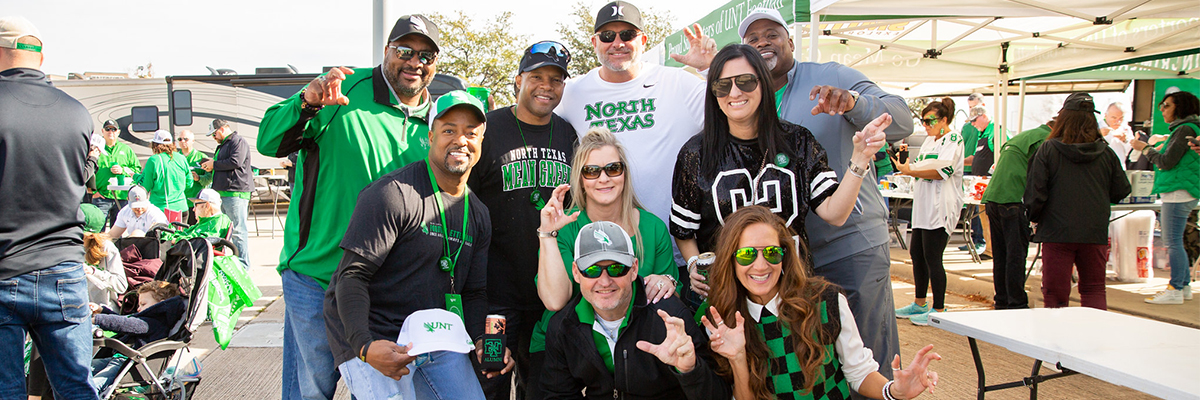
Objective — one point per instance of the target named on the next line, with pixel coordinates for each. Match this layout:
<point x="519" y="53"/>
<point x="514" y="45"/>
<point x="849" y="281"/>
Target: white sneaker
<point x="1187" y="292"/>
<point x="1170" y="295"/>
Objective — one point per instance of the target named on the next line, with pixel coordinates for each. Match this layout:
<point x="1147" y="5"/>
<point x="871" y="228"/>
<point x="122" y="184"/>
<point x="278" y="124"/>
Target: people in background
<point x="103" y="268"/>
<point x="233" y="179"/>
<point x="137" y="217"/>
<point x="198" y="177"/>
<point x="210" y="221"/>
<point x="1177" y="182"/>
<point x="1073" y="178"/>
<point x="800" y="340"/>
<point x="116" y="167"/>
<point x="937" y="201"/>
<point x="1116" y="132"/>
<point x="166" y="176"/>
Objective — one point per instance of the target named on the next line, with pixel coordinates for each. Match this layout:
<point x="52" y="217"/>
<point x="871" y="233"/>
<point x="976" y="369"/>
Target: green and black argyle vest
<point x="783" y="367"/>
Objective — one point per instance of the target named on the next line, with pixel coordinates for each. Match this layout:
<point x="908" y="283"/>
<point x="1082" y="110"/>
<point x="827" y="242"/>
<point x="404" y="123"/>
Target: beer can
<point x="494" y="324"/>
<point x="704" y="262"/>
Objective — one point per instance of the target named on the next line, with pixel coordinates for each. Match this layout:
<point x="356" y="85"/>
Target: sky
<point x="182" y="38"/>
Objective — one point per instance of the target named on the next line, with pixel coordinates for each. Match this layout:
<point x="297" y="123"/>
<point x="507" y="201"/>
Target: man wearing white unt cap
<point x="137" y="217"/>
<point x="835" y="101"/>
<point x="45" y="134"/>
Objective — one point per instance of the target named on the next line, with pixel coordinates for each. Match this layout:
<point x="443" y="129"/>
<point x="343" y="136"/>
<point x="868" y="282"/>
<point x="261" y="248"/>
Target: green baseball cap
<point x="458" y="98"/>
<point x="93" y="218"/>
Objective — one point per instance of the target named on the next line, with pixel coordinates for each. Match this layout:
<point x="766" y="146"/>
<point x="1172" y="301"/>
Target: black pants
<point x="926" y="250"/>
<point x="518" y="329"/>
<point x="1010" y="248"/>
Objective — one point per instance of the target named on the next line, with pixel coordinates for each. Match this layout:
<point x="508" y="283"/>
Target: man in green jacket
<point x="1009" y="224"/>
<point x="184" y="140"/>
<point x="115" y="167"/>
<point x="350" y="127"/>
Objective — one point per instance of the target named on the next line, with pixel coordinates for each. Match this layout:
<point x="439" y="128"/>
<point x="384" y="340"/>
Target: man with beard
<point x="418" y="232"/>
<point x="527" y="153"/>
<point x="350" y="127"/>
<point x="835" y="101"/>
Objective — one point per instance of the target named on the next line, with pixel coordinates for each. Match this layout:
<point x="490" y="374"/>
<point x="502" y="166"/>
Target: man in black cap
<point x="350" y="127"/>
<point x="116" y="167"/>
<point x="233" y="179"/>
<point x="526" y="154"/>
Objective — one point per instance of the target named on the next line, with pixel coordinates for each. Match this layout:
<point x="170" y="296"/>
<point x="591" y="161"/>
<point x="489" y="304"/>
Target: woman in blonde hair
<point x="105" y="272"/>
<point x="602" y="190"/>
<point x="801" y="331"/>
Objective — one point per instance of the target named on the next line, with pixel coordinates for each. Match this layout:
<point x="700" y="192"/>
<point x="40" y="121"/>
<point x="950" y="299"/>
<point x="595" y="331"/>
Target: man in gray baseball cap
<point x="667" y="360"/>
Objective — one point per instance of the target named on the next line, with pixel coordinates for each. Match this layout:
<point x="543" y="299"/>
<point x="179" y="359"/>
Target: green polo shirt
<point x="970" y="137"/>
<point x="117" y="154"/>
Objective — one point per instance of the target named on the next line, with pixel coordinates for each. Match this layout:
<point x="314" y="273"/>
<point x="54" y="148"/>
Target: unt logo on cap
<point x="618" y="10"/>
<point x="433" y="326"/>
<point x="602" y="237"/>
<point x="419" y="24"/>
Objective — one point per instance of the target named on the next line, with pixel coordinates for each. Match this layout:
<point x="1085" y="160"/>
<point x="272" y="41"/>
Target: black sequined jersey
<point x="788" y="185"/>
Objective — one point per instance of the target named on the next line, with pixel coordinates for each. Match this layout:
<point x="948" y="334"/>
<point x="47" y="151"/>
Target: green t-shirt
<point x="354" y="145"/>
<point x="193" y="163"/>
<point x="1012" y="164"/>
<point x="117" y="154"/>
<point x="165" y="178"/>
<point x="970" y="137"/>
<point x="655" y="257"/>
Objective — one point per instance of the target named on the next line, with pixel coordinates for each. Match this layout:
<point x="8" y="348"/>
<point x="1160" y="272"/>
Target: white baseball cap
<point x="162" y="137"/>
<point x="434" y="329"/>
<point x="757" y="14"/>
<point x="208" y="196"/>
<point x="13" y="28"/>
<point x="138" y="198"/>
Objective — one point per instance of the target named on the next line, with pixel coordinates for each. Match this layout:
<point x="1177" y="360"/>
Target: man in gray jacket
<point x="233" y="179"/>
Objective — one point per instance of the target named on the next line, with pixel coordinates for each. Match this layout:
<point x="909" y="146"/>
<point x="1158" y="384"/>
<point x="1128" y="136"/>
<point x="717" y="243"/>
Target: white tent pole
<point x="999" y="133"/>
<point x="1179" y="30"/>
<point x="1126" y="9"/>
<point x="1021" y="110"/>
<point x="814" y="36"/>
<point x="1050" y="8"/>
<point x="967" y="33"/>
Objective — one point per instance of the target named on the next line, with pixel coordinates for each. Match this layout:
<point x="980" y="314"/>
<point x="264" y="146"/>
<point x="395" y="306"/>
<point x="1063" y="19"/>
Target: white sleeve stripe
<point x="819" y="180"/>
<point x="683" y="212"/>
<point x="684" y="224"/>
<point x="825" y="185"/>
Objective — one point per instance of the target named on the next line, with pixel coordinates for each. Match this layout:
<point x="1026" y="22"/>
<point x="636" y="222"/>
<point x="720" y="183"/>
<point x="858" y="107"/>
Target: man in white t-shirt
<point x="650" y="108"/>
<point x="138" y="217"/>
<point x="1116" y="132"/>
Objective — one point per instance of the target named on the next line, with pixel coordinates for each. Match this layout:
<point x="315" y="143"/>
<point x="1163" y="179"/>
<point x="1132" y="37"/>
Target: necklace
<point x="535" y="197"/>
<point x="446" y="263"/>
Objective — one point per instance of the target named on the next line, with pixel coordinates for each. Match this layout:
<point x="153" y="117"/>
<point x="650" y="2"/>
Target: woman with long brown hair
<point x="1072" y="181"/>
<point x="802" y="331"/>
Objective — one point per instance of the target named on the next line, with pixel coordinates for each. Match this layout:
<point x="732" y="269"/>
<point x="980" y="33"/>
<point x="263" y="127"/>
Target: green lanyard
<point x="446" y="263"/>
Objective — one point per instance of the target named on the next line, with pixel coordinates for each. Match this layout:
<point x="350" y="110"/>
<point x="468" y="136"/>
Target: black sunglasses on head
<point x="405" y="53"/>
<point x="610" y="36"/>
<point x="615" y="270"/>
<point x="612" y="169"/>
<point x="745" y="82"/>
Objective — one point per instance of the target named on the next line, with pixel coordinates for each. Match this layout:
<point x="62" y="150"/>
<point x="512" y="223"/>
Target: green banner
<point x="1161" y="87"/>
<point x="722" y="23"/>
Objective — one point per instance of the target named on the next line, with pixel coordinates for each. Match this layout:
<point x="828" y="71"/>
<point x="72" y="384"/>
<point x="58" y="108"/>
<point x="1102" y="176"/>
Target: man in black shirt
<point x="526" y="155"/>
<point x="417" y="240"/>
<point x="43" y="146"/>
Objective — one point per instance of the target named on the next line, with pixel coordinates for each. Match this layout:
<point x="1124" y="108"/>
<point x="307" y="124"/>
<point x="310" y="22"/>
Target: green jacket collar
<point x="383" y="95"/>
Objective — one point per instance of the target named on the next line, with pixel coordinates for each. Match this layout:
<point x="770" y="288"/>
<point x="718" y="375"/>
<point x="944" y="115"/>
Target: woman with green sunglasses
<point x="800" y="327"/>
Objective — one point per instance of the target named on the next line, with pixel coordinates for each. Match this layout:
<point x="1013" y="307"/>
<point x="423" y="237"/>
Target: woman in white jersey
<point x="937" y="201"/>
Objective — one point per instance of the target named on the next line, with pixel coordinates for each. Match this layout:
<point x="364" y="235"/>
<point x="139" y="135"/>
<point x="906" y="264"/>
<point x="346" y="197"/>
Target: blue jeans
<point x="110" y="208"/>
<point x="308" y="368"/>
<point x="1173" y="220"/>
<point x="238" y="209"/>
<point x="105" y="370"/>
<point x="51" y="305"/>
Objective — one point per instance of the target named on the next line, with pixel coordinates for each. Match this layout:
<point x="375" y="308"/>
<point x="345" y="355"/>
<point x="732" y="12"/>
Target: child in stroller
<point x="159" y="307"/>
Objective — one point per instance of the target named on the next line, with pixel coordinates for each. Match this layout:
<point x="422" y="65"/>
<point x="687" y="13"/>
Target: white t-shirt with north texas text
<point x="937" y="203"/>
<point x="652" y="115"/>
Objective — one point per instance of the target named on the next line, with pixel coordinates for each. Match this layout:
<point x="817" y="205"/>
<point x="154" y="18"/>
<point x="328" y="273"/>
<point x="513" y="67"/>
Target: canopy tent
<point x="943" y="45"/>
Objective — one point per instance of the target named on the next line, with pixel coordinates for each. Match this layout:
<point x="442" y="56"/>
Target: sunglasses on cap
<point x="615" y="270"/>
<point x="747" y="255"/>
<point x="930" y="120"/>
<point x="612" y="169"/>
<point x="745" y="83"/>
<point x="626" y="35"/>
<point x="424" y="56"/>
<point x="555" y="50"/>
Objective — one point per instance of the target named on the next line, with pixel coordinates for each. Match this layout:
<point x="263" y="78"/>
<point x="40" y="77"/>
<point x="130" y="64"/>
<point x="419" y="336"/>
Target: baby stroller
<point x="152" y="371"/>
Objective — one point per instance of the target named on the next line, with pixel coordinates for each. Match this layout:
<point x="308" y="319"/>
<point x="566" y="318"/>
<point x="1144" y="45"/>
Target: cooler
<point x="1131" y="238"/>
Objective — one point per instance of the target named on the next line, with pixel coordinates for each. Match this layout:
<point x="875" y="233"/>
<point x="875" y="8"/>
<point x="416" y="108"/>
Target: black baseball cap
<point x="111" y="123"/>
<point x="545" y="53"/>
<point x="619" y="11"/>
<point x="417" y="24"/>
<point x="216" y="124"/>
<point x="1080" y="102"/>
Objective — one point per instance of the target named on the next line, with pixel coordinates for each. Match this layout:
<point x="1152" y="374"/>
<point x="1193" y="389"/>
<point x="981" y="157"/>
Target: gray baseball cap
<point x="603" y="241"/>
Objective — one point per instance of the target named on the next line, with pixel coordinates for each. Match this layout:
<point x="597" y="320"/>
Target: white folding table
<point x="1153" y="357"/>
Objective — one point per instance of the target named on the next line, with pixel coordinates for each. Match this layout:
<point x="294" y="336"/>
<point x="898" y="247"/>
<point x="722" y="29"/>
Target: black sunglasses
<point x="555" y="50"/>
<point x="745" y="82"/>
<point x="747" y="255"/>
<point x="110" y="129"/>
<point x="612" y="169"/>
<point x="615" y="270"/>
<point x="931" y="120"/>
<point x="610" y="36"/>
<point x="424" y="56"/>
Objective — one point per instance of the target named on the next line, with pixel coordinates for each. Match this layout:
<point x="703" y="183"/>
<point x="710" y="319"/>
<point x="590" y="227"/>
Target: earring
<point x="943" y="131"/>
